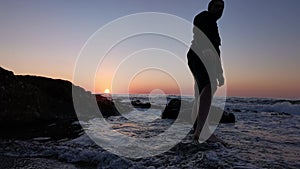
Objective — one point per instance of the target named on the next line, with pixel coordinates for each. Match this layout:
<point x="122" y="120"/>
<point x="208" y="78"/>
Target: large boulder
<point x="172" y="109"/>
<point x="33" y="103"/>
<point x="19" y="101"/>
<point x="226" y="117"/>
<point x="140" y="104"/>
<point x="175" y="105"/>
<point x="106" y="106"/>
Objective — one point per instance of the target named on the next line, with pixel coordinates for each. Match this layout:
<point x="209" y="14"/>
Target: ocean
<point x="266" y="135"/>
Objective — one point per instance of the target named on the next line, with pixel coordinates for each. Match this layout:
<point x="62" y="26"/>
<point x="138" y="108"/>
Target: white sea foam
<point x="278" y="136"/>
<point x="264" y="105"/>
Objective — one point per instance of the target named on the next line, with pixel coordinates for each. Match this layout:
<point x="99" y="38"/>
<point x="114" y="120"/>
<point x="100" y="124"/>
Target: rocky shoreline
<point x="39" y="129"/>
<point x="33" y="106"/>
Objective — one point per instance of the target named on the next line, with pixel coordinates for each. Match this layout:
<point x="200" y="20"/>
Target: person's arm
<point x="220" y="75"/>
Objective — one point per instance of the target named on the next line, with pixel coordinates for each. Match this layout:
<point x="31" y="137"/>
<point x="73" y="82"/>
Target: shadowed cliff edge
<point x="34" y="106"/>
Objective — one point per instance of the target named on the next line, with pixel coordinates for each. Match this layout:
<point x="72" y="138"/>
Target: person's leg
<point x="205" y="100"/>
<point x="196" y="105"/>
<point x="202" y="127"/>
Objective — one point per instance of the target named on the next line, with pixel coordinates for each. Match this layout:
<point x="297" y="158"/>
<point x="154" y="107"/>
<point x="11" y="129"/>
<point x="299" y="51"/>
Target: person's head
<point x="216" y="7"/>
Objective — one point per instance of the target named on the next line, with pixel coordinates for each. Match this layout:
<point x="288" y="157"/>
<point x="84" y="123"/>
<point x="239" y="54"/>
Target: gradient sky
<point x="260" y="41"/>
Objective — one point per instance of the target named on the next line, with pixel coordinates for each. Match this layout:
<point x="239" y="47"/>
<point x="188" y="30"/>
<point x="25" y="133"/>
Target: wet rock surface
<point x="176" y="105"/>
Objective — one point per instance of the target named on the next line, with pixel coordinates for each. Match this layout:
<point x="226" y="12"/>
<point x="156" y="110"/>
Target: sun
<point x="106" y="91"/>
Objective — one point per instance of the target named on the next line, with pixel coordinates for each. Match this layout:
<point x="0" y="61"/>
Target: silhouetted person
<point x="205" y="85"/>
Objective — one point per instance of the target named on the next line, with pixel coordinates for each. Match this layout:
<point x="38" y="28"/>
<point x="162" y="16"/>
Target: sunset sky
<point x="260" y="44"/>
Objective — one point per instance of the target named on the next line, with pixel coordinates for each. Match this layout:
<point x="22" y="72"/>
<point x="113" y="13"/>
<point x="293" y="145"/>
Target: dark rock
<point x="31" y="103"/>
<point x="227" y="117"/>
<point x="29" y="99"/>
<point x="173" y="107"/>
<point x="139" y="104"/>
<point x="63" y="129"/>
<point x="106" y="106"/>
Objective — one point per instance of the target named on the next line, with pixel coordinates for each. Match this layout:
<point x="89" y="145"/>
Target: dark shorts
<point x="198" y="70"/>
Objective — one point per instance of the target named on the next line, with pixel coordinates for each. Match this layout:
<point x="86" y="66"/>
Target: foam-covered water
<point x="264" y="105"/>
<point x="266" y="135"/>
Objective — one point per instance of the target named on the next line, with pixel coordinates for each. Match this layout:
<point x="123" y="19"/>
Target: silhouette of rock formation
<point x="139" y="104"/>
<point x="175" y="105"/>
<point x="43" y="105"/>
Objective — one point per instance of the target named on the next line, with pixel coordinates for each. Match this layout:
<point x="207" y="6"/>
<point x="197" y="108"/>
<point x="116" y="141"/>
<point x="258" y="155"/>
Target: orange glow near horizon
<point x="152" y="80"/>
<point x="143" y="83"/>
<point x="147" y="82"/>
<point x="239" y="83"/>
<point x="263" y="88"/>
<point x="106" y="91"/>
<point x="235" y="86"/>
